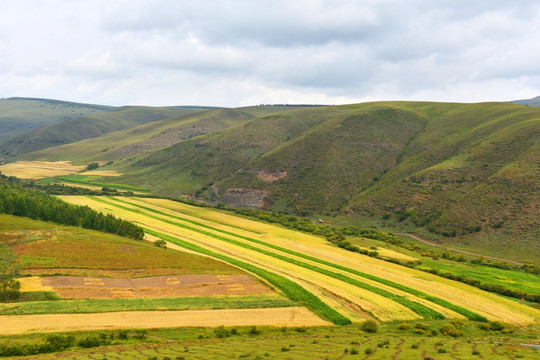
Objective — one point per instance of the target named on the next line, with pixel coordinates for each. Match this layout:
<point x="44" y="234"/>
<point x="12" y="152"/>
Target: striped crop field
<point x="336" y="284"/>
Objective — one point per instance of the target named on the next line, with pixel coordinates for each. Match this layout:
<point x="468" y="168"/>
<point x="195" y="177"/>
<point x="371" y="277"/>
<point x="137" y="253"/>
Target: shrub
<point x="123" y="334"/>
<point x="370" y="326"/>
<point x="92" y="166"/>
<point x="476" y="352"/>
<point x="368" y="351"/>
<point x="404" y="326"/>
<point x="496" y="326"/>
<point x="354" y="351"/>
<point x="160" y="243"/>
<point x="141" y="333"/>
<point x="221" y="332"/>
<point x="450" y="330"/>
<point x="254" y="331"/>
<point x="422" y="326"/>
<point x="441" y="351"/>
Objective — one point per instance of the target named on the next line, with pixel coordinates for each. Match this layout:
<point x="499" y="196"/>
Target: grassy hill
<point x="20" y="115"/>
<point x="447" y="171"/>
<point x="84" y="127"/>
<point x="455" y="170"/>
<point x="143" y="138"/>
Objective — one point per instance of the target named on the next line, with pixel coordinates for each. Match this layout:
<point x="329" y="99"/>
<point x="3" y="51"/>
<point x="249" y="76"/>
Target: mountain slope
<point x="84" y="127"/>
<point x="19" y="115"/>
<point x="465" y="170"/>
<point x="528" y="102"/>
<point x="136" y="140"/>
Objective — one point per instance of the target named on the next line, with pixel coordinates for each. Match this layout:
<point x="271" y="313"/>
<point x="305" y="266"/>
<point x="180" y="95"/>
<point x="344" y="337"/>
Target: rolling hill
<point x="90" y="126"/>
<point x="22" y="115"/>
<point x="465" y="173"/>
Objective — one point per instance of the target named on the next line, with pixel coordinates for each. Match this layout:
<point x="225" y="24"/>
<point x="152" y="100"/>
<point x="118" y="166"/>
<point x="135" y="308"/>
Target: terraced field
<point x="337" y="285"/>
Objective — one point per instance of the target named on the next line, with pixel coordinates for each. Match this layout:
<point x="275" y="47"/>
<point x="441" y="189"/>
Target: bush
<point x="92" y="166"/>
<point x="496" y="326"/>
<point x="160" y="243"/>
<point x="370" y="326"/>
<point x="368" y="351"/>
<point x="450" y="330"/>
<point x="422" y="326"/>
<point x="221" y="332"/>
<point x="404" y="326"/>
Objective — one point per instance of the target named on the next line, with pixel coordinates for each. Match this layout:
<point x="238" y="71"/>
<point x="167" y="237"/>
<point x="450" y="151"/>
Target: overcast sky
<point x="244" y="52"/>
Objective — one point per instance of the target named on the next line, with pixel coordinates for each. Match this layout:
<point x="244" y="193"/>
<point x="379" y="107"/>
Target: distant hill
<point x="18" y="114"/>
<point x="87" y="126"/>
<point x="529" y="102"/>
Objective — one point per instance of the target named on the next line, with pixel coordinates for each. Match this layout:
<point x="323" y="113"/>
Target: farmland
<point x="356" y="286"/>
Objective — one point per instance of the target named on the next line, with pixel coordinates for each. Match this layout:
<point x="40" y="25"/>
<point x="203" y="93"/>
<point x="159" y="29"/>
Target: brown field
<point x="71" y="287"/>
<point x="289" y="316"/>
<point x="39" y="169"/>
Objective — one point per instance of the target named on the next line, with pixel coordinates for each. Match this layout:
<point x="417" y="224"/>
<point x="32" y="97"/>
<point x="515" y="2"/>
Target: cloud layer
<point x="233" y="53"/>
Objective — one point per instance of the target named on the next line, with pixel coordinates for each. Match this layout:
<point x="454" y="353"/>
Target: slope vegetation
<point x="24" y="115"/>
<point x="84" y="127"/>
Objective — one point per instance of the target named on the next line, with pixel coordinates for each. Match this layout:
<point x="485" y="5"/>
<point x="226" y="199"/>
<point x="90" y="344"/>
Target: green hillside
<point x="88" y="126"/>
<point x="136" y="140"/>
<point x="20" y="115"/>
<point x="454" y="170"/>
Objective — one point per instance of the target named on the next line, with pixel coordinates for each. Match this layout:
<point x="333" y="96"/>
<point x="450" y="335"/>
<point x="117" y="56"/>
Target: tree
<point x="10" y="289"/>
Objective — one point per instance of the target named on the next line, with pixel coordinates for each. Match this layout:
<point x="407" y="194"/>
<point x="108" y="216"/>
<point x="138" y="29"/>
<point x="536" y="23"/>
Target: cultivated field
<point x="357" y="286"/>
<point x="287" y="316"/>
<point x="39" y="169"/>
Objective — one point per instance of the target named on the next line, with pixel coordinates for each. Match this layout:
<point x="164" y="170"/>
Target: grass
<point x="113" y="305"/>
<point x="311" y="342"/>
<point x="90" y="253"/>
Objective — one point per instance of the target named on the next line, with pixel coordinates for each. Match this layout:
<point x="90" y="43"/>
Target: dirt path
<point x="457" y="250"/>
<point x="290" y="316"/>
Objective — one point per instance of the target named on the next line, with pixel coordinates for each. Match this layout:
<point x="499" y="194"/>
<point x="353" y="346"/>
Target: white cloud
<point x="230" y="53"/>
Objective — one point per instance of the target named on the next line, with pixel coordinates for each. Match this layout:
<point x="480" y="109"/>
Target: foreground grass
<point x="113" y="305"/>
<point x="389" y="342"/>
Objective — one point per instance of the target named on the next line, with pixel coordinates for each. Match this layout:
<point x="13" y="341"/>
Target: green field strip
<point x="418" y="308"/>
<point x="183" y="212"/>
<point x="291" y="289"/>
<point x="456" y="308"/>
<point x="99" y="184"/>
<point x="184" y="219"/>
<point x="113" y="305"/>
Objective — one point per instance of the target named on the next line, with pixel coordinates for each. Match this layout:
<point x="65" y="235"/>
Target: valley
<point x="377" y="230"/>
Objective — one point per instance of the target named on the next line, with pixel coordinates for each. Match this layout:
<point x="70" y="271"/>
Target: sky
<point x="249" y="52"/>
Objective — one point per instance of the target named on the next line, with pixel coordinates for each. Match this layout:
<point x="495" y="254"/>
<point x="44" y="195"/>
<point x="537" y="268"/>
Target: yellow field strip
<point x="489" y="305"/>
<point x="290" y="316"/>
<point x="39" y="169"/>
<point x="381" y="307"/>
<point x="482" y="302"/>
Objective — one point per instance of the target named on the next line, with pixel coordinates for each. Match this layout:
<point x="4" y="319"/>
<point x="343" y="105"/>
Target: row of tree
<point x="36" y="205"/>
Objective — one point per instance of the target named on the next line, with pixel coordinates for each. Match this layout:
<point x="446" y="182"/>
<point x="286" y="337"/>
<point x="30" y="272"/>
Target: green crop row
<point x="418" y="308"/>
<point x="291" y="289"/>
<point x="111" y="305"/>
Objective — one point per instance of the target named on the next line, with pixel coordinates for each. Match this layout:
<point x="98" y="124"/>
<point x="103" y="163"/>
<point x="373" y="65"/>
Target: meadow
<point x="400" y="341"/>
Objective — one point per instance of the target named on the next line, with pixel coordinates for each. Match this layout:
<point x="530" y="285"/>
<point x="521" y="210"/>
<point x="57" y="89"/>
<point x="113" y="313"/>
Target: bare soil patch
<point x="154" y="287"/>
